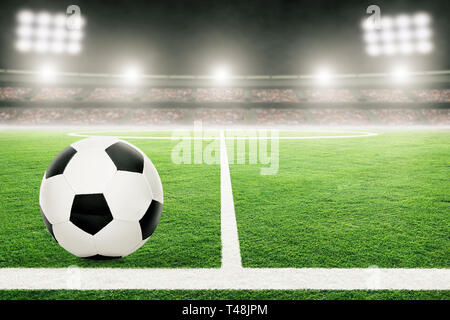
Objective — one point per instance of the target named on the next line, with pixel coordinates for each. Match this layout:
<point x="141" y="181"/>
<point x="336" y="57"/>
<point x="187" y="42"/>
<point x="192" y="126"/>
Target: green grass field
<point x="343" y="203"/>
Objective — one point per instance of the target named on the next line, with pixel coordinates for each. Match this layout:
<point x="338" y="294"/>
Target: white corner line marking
<point x="231" y="276"/>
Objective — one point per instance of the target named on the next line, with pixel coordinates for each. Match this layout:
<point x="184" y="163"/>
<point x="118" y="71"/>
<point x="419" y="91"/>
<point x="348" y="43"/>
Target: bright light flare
<point x="423" y="33"/>
<point x="387" y="22"/>
<point x="221" y="74"/>
<point x="400" y="74"/>
<point x="73" y="48"/>
<point x="24" y="45"/>
<point x="60" y="20"/>
<point x="25" y="17"/>
<point x="323" y="76"/>
<point x="24" y="31"/>
<point x="403" y="21"/>
<point x="399" y="35"/>
<point x="47" y="73"/>
<point x="424" y="47"/>
<point x="43" y="19"/>
<point x="373" y="50"/>
<point x="421" y="19"/>
<point x="45" y="32"/>
<point x="132" y="74"/>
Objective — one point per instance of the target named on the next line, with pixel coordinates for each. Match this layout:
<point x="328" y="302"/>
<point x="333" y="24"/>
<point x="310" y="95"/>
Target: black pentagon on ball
<point x="48" y="224"/>
<point x="60" y="162"/>
<point x="150" y="219"/>
<point x="125" y="157"/>
<point x="90" y="212"/>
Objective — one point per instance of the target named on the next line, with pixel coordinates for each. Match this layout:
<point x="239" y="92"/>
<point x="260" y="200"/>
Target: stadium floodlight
<point x="43" y="19"/>
<point x="387" y="23"/>
<point x="424" y="47"/>
<point x="387" y="36"/>
<point x="47" y="73"/>
<point x="403" y="34"/>
<point x="221" y="74"/>
<point x="60" y="20"/>
<point x="421" y="19"/>
<point x="373" y="50"/>
<point x="402" y="21"/>
<point x="423" y="33"/>
<point x="389" y="49"/>
<point x="406" y="48"/>
<point x="41" y="46"/>
<point x="24" y="31"/>
<point x="23" y="45"/>
<point x="400" y="74"/>
<point x="371" y="37"/>
<point x="44" y="32"/>
<point x="131" y="74"/>
<point x="323" y="76"/>
<point x="25" y="17"/>
<point x="57" y="47"/>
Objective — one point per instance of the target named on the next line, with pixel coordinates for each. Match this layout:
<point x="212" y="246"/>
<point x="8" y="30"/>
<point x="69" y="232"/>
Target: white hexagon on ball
<point x="101" y="198"/>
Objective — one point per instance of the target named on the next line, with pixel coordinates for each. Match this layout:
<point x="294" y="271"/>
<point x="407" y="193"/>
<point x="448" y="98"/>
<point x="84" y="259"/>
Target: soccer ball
<point x="101" y="197"/>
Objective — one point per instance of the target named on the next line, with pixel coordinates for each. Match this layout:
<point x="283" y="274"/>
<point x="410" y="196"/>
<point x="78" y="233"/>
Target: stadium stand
<point x="220" y="95"/>
<point x="339" y="117"/>
<point x="48" y="94"/>
<point x="156" y="116"/>
<point x="223" y="106"/>
<point x="329" y="95"/>
<point x="220" y="116"/>
<point x="432" y="95"/>
<point x="437" y="116"/>
<point x="273" y="95"/>
<point x="16" y="93"/>
<point x="259" y="116"/>
<point x="97" y="116"/>
<point x="396" y="116"/>
<point x="169" y="95"/>
<point x="41" y="116"/>
<point x="386" y="95"/>
<point x="7" y="115"/>
<point x="112" y="94"/>
<point x="227" y="95"/>
<point x="280" y="116"/>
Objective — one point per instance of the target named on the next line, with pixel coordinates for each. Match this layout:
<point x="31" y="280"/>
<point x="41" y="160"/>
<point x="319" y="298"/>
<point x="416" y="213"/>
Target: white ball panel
<point x="74" y="240"/>
<point x="100" y="143"/>
<point x="153" y="180"/>
<point x="128" y="196"/>
<point x="56" y="198"/>
<point x="140" y="244"/>
<point x="118" y="238"/>
<point x="89" y="171"/>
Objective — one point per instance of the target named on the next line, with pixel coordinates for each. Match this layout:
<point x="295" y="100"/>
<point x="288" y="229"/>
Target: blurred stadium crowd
<point x="238" y="106"/>
<point x="226" y="95"/>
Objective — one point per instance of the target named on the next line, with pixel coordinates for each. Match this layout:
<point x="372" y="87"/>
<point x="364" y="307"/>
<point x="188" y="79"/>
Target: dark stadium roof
<point x="253" y="37"/>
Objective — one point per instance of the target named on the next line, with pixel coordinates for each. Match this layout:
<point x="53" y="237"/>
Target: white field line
<point x="231" y="275"/>
<point x="357" y="134"/>
<point x="241" y="278"/>
<point x="231" y="253"/>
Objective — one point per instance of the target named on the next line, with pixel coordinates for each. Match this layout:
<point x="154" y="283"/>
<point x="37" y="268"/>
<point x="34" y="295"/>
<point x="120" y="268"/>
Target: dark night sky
<point x="252" y="37"/>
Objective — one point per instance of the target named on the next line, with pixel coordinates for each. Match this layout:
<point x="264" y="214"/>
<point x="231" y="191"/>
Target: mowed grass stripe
<point x="223" y="295"/>
<point x="188" y="235"/>
<point x="379" y="201"/>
